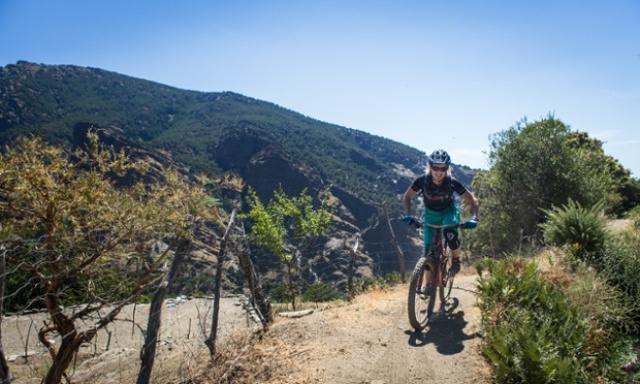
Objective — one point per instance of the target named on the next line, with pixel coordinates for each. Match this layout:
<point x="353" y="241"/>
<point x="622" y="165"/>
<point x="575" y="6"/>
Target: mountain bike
<point x="423" y="285"/>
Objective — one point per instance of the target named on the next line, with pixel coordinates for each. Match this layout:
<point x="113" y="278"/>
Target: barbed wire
<point x="332" y="258"/>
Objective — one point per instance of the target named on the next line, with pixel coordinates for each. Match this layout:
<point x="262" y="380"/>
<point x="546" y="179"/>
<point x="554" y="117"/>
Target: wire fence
<point x="186" y="322"/>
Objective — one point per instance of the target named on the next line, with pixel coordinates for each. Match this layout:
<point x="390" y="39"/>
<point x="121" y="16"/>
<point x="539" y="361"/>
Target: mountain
<point x="223" y="132"/>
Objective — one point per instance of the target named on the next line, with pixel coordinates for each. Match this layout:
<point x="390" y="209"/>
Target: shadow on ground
<point x="446" y="332"/>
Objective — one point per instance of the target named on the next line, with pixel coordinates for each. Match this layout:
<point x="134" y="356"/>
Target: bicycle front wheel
<point x="422" y="295"/>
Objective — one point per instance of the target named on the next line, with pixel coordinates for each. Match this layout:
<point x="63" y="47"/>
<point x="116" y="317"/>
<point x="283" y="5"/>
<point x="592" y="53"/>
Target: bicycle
<point x="422" y="289"/>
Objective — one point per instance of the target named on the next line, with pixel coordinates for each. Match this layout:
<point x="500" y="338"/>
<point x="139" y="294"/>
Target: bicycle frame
<point x="443" y="258"/>
<point x="422" y="290"/>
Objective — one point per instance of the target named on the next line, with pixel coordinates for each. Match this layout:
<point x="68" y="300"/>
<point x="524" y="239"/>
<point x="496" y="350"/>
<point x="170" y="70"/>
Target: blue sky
<point x="430" y="74"/>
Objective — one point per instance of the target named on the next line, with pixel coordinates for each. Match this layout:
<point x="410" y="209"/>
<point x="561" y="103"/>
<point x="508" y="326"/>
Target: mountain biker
<point x="437" y="187"/>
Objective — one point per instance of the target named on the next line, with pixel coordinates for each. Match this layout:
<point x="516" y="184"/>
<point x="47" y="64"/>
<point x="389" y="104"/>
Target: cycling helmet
<point x="439" y="156"/>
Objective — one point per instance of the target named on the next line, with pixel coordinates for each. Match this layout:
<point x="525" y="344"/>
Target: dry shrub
<point x="551" y="262"/>
<point x="240" y="359"/>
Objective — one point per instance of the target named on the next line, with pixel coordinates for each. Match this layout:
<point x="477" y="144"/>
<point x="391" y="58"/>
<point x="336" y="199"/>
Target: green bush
<point x="145" y="299"/>
<point x="281" y="294"/>
<point x="535" y="334"/>
<point x="393" y="278"/>
<point x="322" y="292"/>
<point x="523" y="351"/>
<point x="620" y="265"/>
<point x="582" y="230"/>
<point x="634" y="216"/>
<point x="366" y="283"/>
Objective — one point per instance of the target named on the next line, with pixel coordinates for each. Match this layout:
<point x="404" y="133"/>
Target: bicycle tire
<point x="420" y="308"/>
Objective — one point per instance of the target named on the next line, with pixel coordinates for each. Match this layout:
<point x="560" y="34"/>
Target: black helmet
<point x="439" y="156"/>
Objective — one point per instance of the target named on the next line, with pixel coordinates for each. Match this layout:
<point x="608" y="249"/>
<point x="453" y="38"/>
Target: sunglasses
<point x="440" y="169"/>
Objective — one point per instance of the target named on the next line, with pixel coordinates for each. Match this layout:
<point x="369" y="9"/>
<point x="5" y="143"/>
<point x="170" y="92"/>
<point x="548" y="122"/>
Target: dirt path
<point x="367" y="341"/>
<point x="371" y="341"/>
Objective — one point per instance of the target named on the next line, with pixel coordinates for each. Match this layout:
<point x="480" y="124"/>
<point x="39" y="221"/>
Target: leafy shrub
<point x="616" y="257"/>
<point x="281" y="294"/>
<point x="582" y="229"/>
<point x="322" y="292"/>
<point x="144" y="299"/>
<point x="523" y="352"/>
<point x="366" y="284"/>
<point x="379" y="283"/>
<point x="620" y="265"/>
<point x="634" y="216"/>
<point x="393" y="278"/>
<point x="535" y="334"/>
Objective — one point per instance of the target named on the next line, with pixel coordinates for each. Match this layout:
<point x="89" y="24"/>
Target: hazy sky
<point x="430" y="74"/>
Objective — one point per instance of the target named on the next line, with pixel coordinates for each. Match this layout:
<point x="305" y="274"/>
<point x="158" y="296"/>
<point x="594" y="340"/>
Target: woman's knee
<point x="451" y="236"/>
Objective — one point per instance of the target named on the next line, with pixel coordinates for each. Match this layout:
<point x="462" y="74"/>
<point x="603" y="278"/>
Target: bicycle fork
<point x="431" y="276"/>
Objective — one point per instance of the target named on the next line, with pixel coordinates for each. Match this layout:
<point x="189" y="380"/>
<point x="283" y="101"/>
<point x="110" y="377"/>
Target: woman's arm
<point x="474" y="205"/>
<point x="406" y="201"/>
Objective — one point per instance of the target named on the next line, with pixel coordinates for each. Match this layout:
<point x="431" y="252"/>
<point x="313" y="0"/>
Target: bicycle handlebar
<point x="469" y="224"/>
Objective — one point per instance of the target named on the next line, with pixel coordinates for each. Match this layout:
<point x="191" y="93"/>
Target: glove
<point x="469" y="224"/>
<point x="408" y="219"/>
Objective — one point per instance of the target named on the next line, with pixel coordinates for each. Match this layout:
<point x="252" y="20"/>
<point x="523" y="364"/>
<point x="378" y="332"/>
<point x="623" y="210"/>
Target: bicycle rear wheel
<point x="421" y="301"/>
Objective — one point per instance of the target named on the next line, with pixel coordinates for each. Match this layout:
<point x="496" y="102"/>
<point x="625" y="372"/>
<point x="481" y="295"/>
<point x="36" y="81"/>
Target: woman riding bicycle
<point x="437" y="187"/>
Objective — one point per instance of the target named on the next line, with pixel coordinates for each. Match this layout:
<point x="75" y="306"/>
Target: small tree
<point x="536" y="167"/>
<point x="286" y="227"/>
<point x="65" y="224"/>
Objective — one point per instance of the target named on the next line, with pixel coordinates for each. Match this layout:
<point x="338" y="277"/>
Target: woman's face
<point x="438" y="171"/>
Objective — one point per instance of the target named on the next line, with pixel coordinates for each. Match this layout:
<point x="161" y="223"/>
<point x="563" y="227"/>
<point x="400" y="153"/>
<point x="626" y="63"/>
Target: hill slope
<point x="210" y="132"/>
<point x="267" y="145"/>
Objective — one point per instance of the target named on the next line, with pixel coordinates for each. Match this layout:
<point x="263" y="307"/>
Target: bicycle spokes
<point x="421" y="298"/>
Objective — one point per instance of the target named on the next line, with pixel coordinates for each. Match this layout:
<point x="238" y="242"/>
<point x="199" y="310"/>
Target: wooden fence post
<point x="258" y="300"/>
<point x="148" y="353"/>
<point x="210" y="342"/>
<point x="351" y="293"/>
<point x="395" y="243"/>
<point x="4" y="367"/>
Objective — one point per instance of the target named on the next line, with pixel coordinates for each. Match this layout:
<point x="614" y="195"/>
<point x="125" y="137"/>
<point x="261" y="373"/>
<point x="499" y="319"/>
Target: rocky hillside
<point x="217" y="133"/>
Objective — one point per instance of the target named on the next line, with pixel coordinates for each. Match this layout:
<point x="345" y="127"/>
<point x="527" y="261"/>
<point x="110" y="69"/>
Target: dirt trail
<point x="371" y="341"/>
<point x="367" y="341"/>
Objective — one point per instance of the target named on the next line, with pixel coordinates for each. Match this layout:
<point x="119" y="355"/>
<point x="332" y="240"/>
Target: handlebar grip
<point x="469" y="224"/>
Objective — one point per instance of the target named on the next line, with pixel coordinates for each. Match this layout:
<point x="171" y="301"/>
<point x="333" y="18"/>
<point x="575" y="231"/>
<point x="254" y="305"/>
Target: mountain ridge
<point x="267" y="145"/>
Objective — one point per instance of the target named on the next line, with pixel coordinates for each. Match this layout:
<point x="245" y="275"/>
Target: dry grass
<point x="237" y="360"/>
